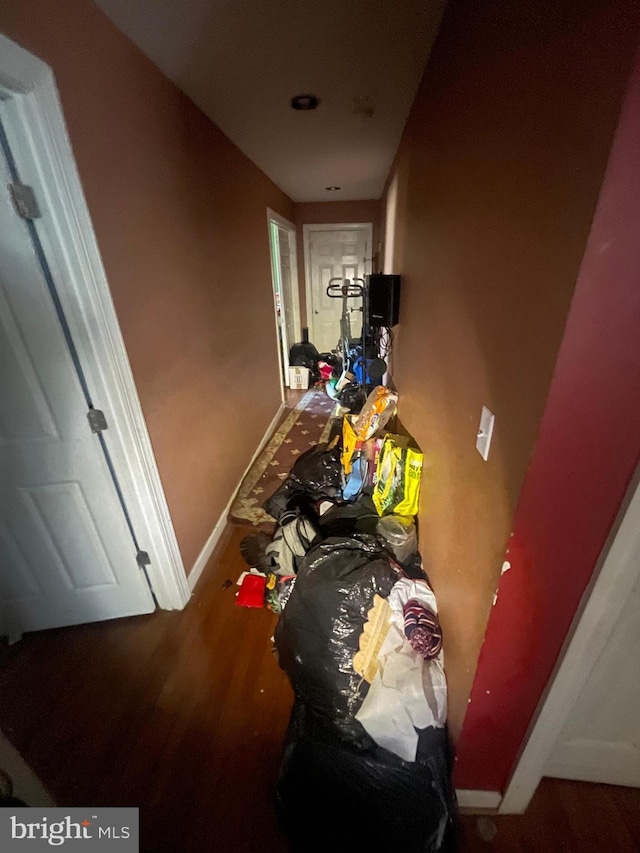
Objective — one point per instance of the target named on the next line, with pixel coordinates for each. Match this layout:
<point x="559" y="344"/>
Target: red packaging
<point x="326" y="371"/>
<point x="251" y="593"/>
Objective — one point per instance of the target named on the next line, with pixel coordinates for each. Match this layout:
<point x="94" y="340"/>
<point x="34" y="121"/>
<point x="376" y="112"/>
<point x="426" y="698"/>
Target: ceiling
<point x="241" y="61"/>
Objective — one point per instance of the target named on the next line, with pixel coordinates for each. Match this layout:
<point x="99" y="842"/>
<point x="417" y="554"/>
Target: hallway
<point x="510" y="216"/>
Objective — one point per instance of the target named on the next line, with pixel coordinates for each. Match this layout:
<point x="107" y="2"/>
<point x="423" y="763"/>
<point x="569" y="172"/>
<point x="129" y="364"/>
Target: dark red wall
<point x="585" y="456"/>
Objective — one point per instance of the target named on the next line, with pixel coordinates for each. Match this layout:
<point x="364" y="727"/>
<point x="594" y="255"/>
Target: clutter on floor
<point x="299" y="377"/>
<point x="339" y="382"/>
<point x="367" y="757"/>
<point x="251" y="592"/>
<point x="306" y="425"/>
<point x="360" y="361"/>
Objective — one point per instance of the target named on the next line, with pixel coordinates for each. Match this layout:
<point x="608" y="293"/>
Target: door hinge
<point x="143" y="559"/>
<point x="97" y="420"/>
<point x="24" y="200"/>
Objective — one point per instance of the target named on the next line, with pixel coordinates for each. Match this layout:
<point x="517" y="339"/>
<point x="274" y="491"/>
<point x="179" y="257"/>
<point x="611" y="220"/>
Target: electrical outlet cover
<point x="485" y="432"/>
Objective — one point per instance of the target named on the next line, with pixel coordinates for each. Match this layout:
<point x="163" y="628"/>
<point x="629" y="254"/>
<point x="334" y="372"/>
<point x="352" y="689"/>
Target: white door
<point x="289" y="305"/>
<point x="600" y="741"/>
<point x="285" y="287"/>
<point x="338" y="252"/>
<point x="66" y="553"/>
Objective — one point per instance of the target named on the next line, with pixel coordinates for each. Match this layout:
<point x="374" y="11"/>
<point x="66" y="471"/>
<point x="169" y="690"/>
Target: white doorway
<point x="333" y="251"/>
<point x="600" y="739"/>
<point x="588" y="727"/>
<point x="85" y="532"/>
<point x="286" y="297"/>
<point x="65" y="551"/>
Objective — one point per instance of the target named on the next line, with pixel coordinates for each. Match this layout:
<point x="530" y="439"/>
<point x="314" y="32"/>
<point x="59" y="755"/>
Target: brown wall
<point x="180" y="217"/>
<point x="498" y="174"/>
<point x="321" y="212"/>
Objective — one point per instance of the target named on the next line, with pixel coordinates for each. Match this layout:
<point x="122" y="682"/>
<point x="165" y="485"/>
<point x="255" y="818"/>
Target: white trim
<point x="307" y="228"/>
<point x="67" y="235"/>
<point x="218" y="530"/>
<point x="468" y="799"/>
<point x="273" y="216"/>
<point x="214" y="537"/>
<point x="336" y="226"/>
<point x="290" y="228"/>
<point x="604" y="599"/>
<point x="295" y="284"/>
<point x="282" y="360"/>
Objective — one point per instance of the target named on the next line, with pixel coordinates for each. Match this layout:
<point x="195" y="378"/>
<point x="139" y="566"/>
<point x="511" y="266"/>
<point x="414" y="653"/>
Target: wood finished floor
<point x="292" y="396"/>
<point x="564" y="817"/>
<point x="183" y="714"/>
<point x="180" y="713"/>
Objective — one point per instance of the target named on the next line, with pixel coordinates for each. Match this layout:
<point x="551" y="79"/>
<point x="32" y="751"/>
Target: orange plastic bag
<point x="376" y="412"/>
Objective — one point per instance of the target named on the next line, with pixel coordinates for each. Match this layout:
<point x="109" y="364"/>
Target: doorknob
<point x="316" y="312"/>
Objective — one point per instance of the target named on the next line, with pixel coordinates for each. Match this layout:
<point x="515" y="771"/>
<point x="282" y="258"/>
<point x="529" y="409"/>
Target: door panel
<point x="75" y="548"/>
<point x="285" y="285"/>
<point x="335" y="254"/>
<point x="19" y="582"/>
<point x="67" y="555"/>
<point x="288" y="283"/>
<point x="600" y="741"/>
<point x="25" y="413"/>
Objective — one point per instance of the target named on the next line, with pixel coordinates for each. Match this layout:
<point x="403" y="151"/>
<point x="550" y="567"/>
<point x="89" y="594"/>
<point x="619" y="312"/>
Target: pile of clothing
<point x="367" y="757"/>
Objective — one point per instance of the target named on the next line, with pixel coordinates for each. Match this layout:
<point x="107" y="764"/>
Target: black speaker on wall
<point x="383" y="300"/>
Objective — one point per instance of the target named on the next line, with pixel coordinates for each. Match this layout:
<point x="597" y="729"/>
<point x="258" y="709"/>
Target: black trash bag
<point x="346" y="519"/>
<point x="352" y="397"/>
<point x="346" y="800"/>
<point x="331" y="358"/>
<point x="414" y="569"/>
<point x="304" y="354"/>
<point x="283" y="499"/>
<point x="302" y="504"/>
<point x="317" y="474"/>
<point x="317" y="635"/>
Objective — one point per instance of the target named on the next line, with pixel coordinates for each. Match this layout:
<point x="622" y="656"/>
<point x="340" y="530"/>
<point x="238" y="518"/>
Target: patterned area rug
<point x="308" y="424"/>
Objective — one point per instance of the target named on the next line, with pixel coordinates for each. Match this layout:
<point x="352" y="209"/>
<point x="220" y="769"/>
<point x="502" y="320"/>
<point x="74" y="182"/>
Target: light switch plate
<point x="485" y="431"/>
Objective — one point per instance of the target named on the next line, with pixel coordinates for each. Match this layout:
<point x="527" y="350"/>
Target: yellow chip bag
<point x="398" y="477"/>
<point x="349" y="443"/>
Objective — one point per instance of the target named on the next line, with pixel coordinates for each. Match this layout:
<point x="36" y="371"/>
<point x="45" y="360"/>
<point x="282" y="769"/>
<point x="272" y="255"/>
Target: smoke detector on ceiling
<point x="305" y="102"/>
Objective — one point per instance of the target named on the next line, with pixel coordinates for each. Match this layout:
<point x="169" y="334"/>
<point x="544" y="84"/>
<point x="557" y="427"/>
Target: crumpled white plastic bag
<point x="408" y="692"/>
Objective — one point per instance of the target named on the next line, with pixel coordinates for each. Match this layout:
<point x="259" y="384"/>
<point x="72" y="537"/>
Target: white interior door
<point x="337" y="252"/>
<point x="600" y="740"/>
<point x="66" y="553"/>
<point x="282" y="236"/>
<point x="288" y="290"/>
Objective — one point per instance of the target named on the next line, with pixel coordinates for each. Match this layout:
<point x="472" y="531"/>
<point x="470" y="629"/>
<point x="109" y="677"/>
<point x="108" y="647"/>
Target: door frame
<point x="602" y="603"/>
<point x="307" y="228"/>
<point x="47" y="164"/>
<point x="274" y="218"/>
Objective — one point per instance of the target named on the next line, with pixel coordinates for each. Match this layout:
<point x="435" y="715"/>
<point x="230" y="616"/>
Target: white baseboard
<point x="203" y="557"/>
<point x="218" y="530"/>
<point x="478" y="799"/>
